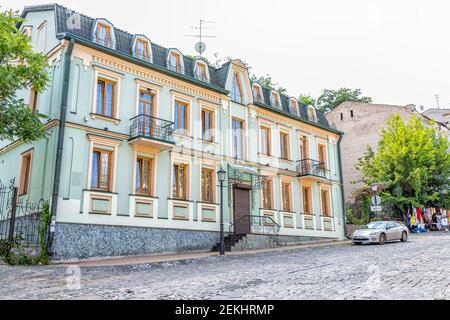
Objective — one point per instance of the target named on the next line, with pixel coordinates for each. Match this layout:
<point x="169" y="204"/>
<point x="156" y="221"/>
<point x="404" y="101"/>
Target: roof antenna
<point x="436" y="96"/>
<point x="200" y="46"/>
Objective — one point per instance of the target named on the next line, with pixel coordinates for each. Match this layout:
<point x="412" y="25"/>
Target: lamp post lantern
<point x="221" y="178"/>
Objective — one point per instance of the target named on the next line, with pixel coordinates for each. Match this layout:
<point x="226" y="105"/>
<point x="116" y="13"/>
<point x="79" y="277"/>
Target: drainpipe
<point x="60" y="145"/>
<point x="342" y="187"/>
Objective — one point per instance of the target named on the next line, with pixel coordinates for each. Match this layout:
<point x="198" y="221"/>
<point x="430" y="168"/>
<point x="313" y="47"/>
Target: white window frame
<point x="41" y="37"/>
<point x="276" y="96"/>
<point x="259" y="89"/>
<point x="293" y="105"/>
<point x="203" y="63"/>
<point x="111" y="28"/>
<point x="143" y="38"/>
<point x="169" y="65"/>
<point x="103" y="73"/>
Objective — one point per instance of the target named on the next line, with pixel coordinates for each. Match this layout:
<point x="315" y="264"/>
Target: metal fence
<point x="20" y="220"/>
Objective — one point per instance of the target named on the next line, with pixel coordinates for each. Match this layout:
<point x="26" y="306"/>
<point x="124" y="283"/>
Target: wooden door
<point x="241" y="207"/>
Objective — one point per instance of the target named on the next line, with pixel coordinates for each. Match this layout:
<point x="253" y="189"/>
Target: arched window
<point x="142" y="48"/>
<point x="293" y="106"/>
<point x="257" y="93"/>
<point x="312" y="116"/>
<point x="175" y="61"/>
<point x="275" y="100"/>
<point x="103" y="33"/>
<point x="236" y="88"/>
<point x="201" y="71"/>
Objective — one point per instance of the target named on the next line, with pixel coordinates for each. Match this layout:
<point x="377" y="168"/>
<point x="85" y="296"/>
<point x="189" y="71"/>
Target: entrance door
<point x="241" y="206"/>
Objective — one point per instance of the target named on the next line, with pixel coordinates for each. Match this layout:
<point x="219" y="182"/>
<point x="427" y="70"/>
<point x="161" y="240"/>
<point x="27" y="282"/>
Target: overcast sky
<point x="397" y="52"/>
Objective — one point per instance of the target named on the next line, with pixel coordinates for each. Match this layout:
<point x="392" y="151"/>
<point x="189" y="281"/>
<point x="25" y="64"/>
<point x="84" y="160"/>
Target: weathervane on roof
<point x="200" y="46"/>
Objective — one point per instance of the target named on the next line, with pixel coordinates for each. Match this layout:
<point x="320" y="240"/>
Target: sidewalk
<point x="190" y="256"/>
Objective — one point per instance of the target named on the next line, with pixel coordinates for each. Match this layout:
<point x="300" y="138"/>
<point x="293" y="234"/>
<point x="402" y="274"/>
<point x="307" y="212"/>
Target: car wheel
<point x="382" y="238"/>
<point x="404" y="237"/>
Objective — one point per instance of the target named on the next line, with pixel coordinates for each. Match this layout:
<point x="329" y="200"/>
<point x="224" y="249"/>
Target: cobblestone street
<point x="418" y="269"/>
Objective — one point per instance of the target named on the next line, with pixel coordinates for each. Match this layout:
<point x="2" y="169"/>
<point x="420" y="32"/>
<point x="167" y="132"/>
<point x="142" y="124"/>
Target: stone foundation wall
<point x="257" y="241"/>
<point x="81" y="241"/>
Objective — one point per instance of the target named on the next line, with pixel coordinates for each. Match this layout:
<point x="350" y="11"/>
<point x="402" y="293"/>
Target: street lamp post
<point x="221" y="178"/>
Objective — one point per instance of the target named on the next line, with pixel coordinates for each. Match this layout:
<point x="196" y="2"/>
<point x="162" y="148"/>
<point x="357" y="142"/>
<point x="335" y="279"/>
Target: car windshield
<point x="375" y="225"/>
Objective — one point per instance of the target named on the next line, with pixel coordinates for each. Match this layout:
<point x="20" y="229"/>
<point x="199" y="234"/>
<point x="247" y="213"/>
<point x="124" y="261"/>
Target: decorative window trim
<point x="97" y="142"/>
<point x="294" y="105"/>
<point x="259" y="89"/>
<point x="306" y="140"/>
<point x="286" y="180"/>
<point x="111" y="29"/>
<point x="311" y="209"/>
<point x="100" y="197"/>
<point x="272" y="199"/>
<point x="25" y="189"/>
<point x="312" y="115"/>
<point x="329" y="203"/>
<point x="213" y="183"/>
<point x="213" y="126"/>
<point x="274" y="93"/>
<point x="142" y="151"/>
<point x="205" y="65"/>
<point x="269" y="139"/>
<point x="244" y="138"/>
<point x="111" y="76"/>
<point x="288" y="144"/>
<point x="178" y="69"/>
<point x="176" y="96"/>
<point x="27" y="30"/>
<point x="325" y="155"/>
<point x="154" y="89"/>
<point x="187" y="185"/>
<point x="141" y="37"/>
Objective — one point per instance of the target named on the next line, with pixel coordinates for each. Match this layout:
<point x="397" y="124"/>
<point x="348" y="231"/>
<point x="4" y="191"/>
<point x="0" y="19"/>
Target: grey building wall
<point x="361" y="124"/>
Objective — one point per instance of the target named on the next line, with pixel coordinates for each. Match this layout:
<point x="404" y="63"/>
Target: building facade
<point x="361" y="124"/>
<point x="137" y="133"/>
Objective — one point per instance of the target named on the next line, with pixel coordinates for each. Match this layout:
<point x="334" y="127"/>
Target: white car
<point x="380" y="232"/>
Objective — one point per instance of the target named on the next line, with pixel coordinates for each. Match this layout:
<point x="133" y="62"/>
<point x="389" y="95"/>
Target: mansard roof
<point x="124" y="48"/>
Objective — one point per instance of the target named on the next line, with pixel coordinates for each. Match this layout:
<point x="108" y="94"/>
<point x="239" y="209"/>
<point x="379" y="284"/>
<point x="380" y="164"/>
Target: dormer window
<point x="142" y="48"/>
<point x="175" y="61"/>
<point x="201" y="71"/>
<point x="257" y="94"/>
<point x="275" y="100"/>
<point x="26" y="30"/>
<point x="236" y="88"/>
<point x="103" y="34"/>
<point x="293" y="106"/>
<point x="312" y="116"/>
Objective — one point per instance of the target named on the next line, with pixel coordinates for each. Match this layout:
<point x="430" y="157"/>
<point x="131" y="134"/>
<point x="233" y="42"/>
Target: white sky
<point x="397" y="52"/>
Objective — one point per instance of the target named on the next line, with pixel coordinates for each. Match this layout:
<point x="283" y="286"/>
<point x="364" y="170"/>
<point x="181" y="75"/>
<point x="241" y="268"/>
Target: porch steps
<point x="230" y="241"/>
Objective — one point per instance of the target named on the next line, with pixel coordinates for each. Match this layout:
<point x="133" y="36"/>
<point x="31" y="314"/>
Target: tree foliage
<point x="411" y="162"/>
<point x="307" y="100"/>
<point x="268" y="83"/>
<point x="20" y="68"/>
<point x="330" y="99"/>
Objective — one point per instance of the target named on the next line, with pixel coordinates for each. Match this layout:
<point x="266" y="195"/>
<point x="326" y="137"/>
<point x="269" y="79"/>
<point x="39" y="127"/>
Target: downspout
<point x="61" y="132"/>
<point x="344" y="220"/>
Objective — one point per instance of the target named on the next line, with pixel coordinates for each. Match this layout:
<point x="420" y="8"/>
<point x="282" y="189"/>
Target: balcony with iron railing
<point x="312" y="168"/>
<point x="108" y="42"/>
<point x="151" y="131"/>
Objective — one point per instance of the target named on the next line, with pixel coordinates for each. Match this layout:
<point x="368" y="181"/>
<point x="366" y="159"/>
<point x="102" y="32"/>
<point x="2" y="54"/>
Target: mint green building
<point x="137" y="133"/>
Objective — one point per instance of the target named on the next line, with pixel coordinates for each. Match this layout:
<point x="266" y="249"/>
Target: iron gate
<point x="20" y="220"/>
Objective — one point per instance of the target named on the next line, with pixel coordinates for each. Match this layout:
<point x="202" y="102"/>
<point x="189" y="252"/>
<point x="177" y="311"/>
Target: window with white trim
<point x="275" y="100"/>
<point x="293" y="106"/>
<point x="201" y="71"/>
<point x="257" y="93"/>
<point x="236" y="88"/>
<point x="41" y="37"/>
<point x="142" y="49"/>
<point x="175" y="61"/>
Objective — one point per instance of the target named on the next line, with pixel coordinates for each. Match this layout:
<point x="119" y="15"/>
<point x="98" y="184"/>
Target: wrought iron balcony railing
<point x="104" y="42"/>
<point x="144" y="126"/>
<point x="258" y="98"/>
<point x="312" y="167"/>
<point x="202" y="78"/>
<point x="176" y="68"/>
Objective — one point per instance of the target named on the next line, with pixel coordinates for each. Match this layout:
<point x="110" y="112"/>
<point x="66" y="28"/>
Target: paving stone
<point x="417" y="269"/>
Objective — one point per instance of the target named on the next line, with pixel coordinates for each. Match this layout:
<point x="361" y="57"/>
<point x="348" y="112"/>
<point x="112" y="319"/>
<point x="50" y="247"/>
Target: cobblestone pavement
<point x="418" y="269"/>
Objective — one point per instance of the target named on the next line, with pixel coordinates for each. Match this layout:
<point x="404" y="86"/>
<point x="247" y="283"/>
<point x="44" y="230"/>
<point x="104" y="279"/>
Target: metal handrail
<point x="151" y="127"/>
<point x="273" y="228"/>
<point x="312" y="167"/>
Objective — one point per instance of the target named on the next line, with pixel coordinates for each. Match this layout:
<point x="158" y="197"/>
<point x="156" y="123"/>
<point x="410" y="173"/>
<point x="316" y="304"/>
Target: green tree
<point x="307" y="100"/>
<point x="20" y="68"/>
<point x="268" y="83"/>
<point x="330" y="99"/>
<point x="411" y="162"/>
